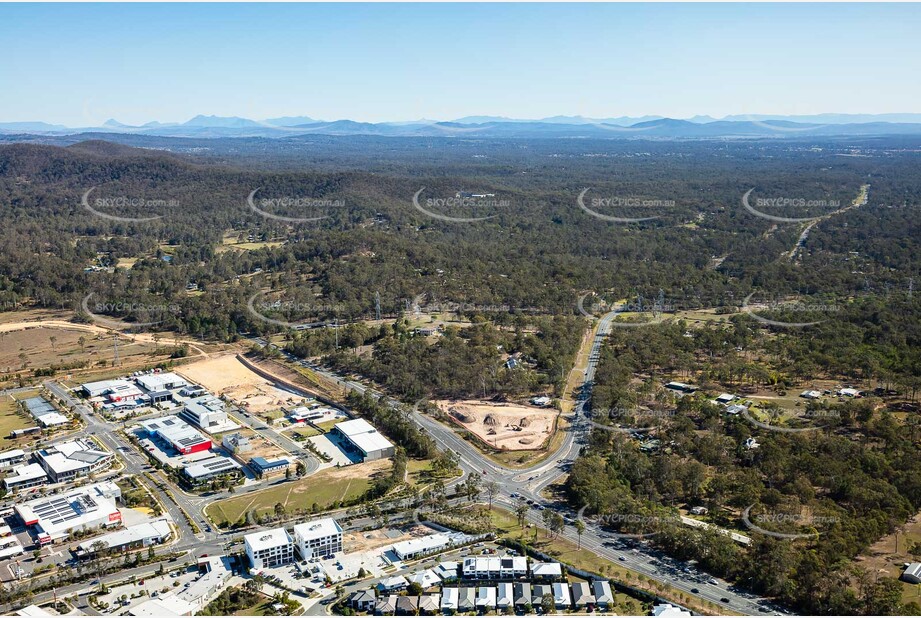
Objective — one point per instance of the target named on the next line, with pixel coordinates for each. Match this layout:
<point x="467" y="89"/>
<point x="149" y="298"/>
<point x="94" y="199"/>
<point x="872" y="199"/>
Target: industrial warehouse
<point x="364" y="438"/>
<point x="177" y="434"/>
<point x="52" y="519"/>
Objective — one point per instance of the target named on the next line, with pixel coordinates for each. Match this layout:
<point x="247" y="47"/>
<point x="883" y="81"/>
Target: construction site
<point x="504" y="426"/>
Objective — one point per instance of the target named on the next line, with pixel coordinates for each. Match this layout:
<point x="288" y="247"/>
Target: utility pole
<point x="377" y="306"/>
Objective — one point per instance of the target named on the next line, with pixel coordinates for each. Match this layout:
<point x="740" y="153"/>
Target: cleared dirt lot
<point x="226" y="375"/>
<point x="505" y="426"/>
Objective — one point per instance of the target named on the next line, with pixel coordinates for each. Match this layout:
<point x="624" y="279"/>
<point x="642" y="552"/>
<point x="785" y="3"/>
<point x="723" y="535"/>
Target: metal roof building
<point x="141" y="535"/>
<point x="178" y="434"/>
<point x="54" y="517"/>
<point x="366" y="439"/>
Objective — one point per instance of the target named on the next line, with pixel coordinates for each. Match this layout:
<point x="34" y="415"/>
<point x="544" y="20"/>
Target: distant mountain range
<point x="698" y="127"/>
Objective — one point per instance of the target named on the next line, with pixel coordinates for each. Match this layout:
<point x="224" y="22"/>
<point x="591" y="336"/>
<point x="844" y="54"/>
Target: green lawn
<point x="326" y="426"/>
<point x="306" y="431"/>
<point x="10" y="419"/>
<point x="323" y="488"/>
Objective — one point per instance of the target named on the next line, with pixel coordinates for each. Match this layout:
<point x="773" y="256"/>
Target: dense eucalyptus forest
<point x="167" y="236"/>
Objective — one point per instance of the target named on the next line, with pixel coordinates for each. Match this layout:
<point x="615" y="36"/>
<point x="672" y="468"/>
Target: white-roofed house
<point x="426" y="578"/>
<point x="447" y="571"/>
<point x="561" y="595"/>
<point x="449" y="598"/>
<point x="486" y="598"/>
<point x="546" y="570"/>
<point x="391" y="584"/>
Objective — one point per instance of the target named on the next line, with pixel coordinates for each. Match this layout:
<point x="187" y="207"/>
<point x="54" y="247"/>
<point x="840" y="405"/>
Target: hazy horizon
<point x="80" y="65"/>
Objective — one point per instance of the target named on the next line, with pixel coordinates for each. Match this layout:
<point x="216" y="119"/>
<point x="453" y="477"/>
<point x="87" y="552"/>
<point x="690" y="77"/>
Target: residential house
<point x="429" y="604"/>
<point x="407" y="606"/>
<point x="363" y="600"/>
<point x="466" y="599"/>
<point x="582" y="595"/>
<point x="386" y="606"/>
<point x="486" y="598"/>
<point x="561" y="595"/>
<point x="504" y="597"/>
<point x="522" y="594"/>
<point x="604" y="598"/>
<point x="392" y="584"/>
<point x="449" y="599"/>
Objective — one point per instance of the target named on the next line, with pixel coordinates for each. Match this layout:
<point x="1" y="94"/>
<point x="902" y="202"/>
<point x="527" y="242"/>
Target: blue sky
<point x="82" y="64"/>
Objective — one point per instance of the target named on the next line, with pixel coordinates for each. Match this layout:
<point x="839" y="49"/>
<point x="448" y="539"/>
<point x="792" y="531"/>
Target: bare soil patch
<point x="504" y="426"/>
<point x="226" y="375"/>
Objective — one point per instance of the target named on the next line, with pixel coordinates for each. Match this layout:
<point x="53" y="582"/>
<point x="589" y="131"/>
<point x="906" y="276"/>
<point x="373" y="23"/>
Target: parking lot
<point x="329" y="444"/>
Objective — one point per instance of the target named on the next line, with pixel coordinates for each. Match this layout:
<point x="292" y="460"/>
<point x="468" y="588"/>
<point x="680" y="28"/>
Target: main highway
<point x="528" y="483"/>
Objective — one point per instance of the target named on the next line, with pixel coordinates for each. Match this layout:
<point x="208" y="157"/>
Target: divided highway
<point x="528" y="483"/>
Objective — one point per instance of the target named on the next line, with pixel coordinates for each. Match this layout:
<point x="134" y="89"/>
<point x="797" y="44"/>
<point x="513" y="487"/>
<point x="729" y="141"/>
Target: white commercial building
<point x="319" y="538"/>
<point x="177" y="434"/>
<point x="211" y="468"/>
<point x="413" y="548"/>
<point x="166" y="381"/>
<point x="44" y="412"/>
<point x="195" y="596"/>
<point x="365" y="439"/>
<point x="207" y="412"/>
<point x="25" y="476"/>
<point x="269" y="548"/>
<point x="53" y="518"/>
<point x="11" y="458"/>
<point x="69" y="460"/>
<point x="133" y="537"/>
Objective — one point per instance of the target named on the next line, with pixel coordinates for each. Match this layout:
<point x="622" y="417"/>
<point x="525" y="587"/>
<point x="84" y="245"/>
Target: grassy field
<point x="326" y="426"/>
<point x="323" y="488"/>
<point x="305" y="431"/>
<point x="10" y="419"/>
<point x="506" y="525"/>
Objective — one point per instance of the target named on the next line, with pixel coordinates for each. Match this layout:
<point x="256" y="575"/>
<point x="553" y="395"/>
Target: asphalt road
<point x="529" y="482"/>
